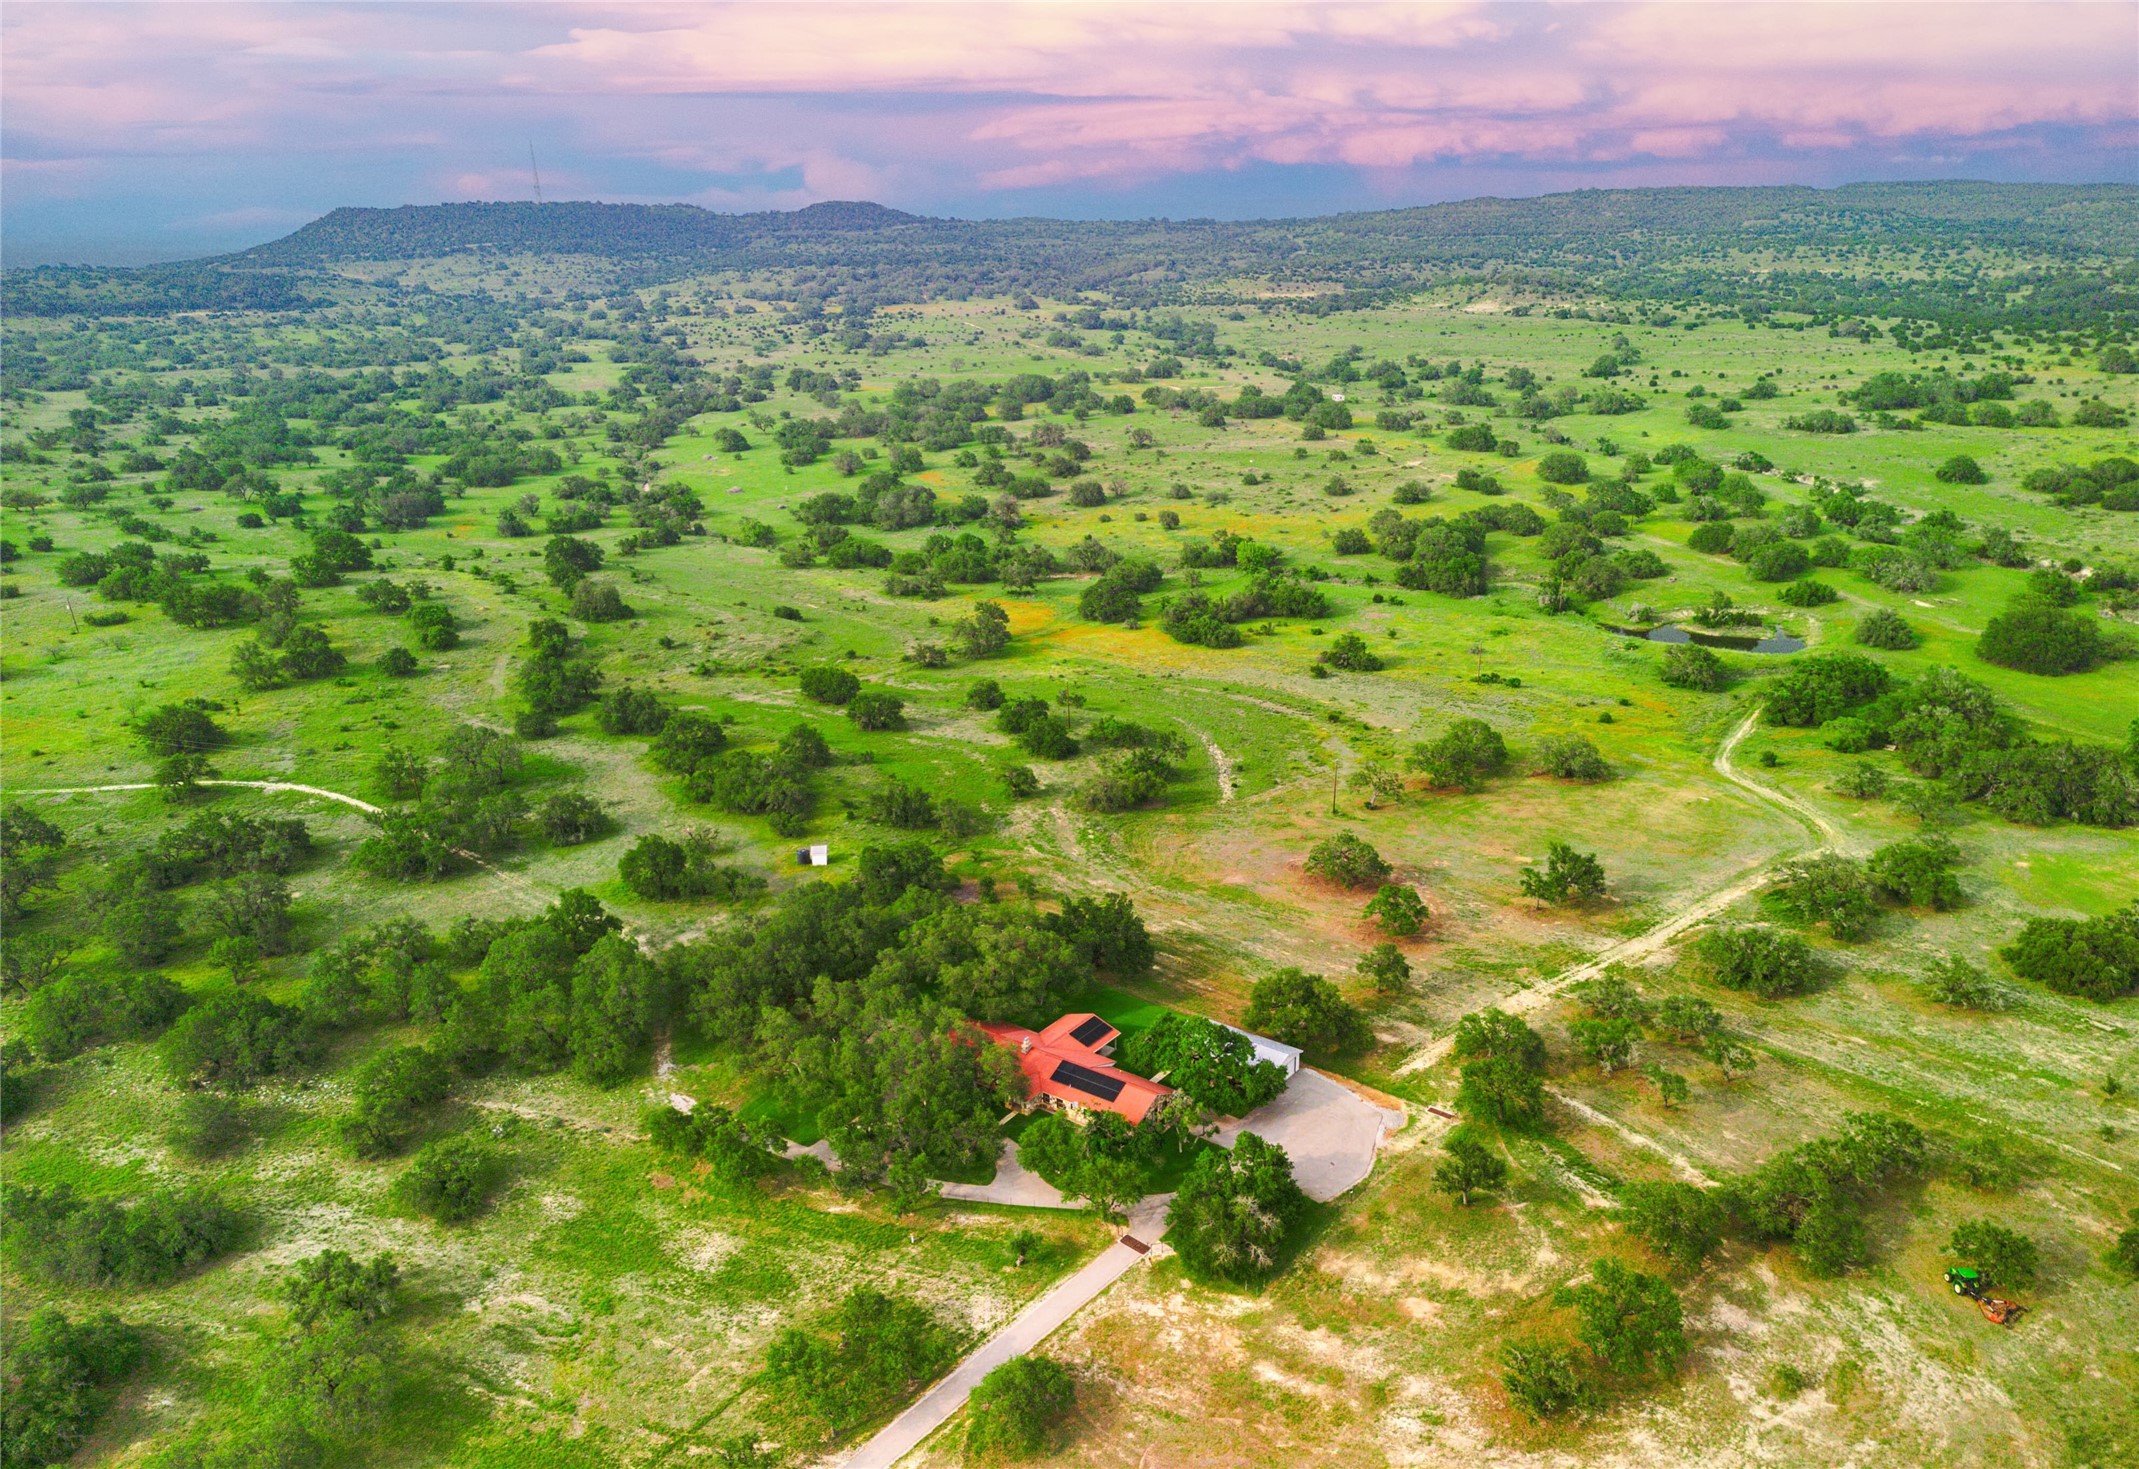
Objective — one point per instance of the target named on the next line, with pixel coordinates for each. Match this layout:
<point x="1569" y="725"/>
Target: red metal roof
<point x="1051" y="1060"/>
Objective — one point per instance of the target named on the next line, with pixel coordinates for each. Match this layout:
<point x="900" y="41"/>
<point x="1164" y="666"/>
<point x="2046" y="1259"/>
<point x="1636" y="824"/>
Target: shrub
<point x="2124" y="1253"/>
<point x="1821" y="421"/>
<point x="666" y="871"/>
<point x="1399" y="909"/>
<point x="2096" y="958"/>
<point x="1568" y="876"/>
<point x="2006" y="1256"/>
<point x="829" y="685"/>
<point x="232" y="1039"/>
<point x="1810" y="592"/>
<point x="1468" y="1167"/>
<point x="880" y="1349"/>
<point x="434" y="627"/>
<point x="1468" y="752"/>
<point x="1961" y="470"/>
<point x="874" y="709"/>
<point x="1817" y="688"/>
<point x="69" y="1014"/>
<point x="99" y="1242"/>
<point x="1884" y="628"/>
<point x="1016" y="1407"/>
<point x="630" y="711"/>
<point x="1048" y="738"/>
<point x="1305" y="1010"/>
<point x="1829" y="889"/>
<point x="1960" y="984"/>
<point x="1348" y="861"/>
<point x="1563" y="467"/>
<point x="60" y="1378"/>
<point x="1712" y="538"/>
<point x="2034" y="636"/>
<point x="1778" y="561"/>
<point x="1235" y="1211"/>
<point x="1759" y="960"/>
<point x="1918" y="873"/>
<point x="1544" y="1378"/>
<point x="734" y="1150"/>
<point x="687" y="743"/>
<point x="1630" y="1320"/>
<point x="1862" y="782"/>
<point x="1213" y="1064"/>
<point x="598" y="601"/>
<point x="1691" y="666"/>
<point x="393" y="1092"/>
<point x="448" y="1179"/>
<point x="1679" y="1221"/>
<point x="898" y="804"/>
<point x="1572" y="757"/>
<point x="1349" y="652"/>
<point x="571" y="818"/>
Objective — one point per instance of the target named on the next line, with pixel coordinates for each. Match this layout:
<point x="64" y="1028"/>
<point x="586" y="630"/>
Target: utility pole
<point x="537" y="172"/>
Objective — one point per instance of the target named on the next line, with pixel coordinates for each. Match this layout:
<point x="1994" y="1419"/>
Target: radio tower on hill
<point x="533" y="169"/>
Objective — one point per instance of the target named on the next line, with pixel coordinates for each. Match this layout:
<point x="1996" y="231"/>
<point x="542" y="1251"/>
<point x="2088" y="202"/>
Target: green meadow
<point x="609" y="1304"/>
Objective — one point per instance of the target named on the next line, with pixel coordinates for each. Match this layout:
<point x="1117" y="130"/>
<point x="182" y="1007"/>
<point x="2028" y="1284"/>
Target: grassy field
<point x="607" y="1310"/>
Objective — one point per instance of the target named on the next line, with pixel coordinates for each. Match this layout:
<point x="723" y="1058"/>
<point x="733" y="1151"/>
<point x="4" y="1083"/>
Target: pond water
<point x="1741" y="642"/>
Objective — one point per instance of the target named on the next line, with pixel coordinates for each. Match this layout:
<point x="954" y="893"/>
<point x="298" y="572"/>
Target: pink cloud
<point x="800" y="101"/>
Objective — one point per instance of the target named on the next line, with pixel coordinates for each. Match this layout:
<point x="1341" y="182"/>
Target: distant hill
<point x="2078" y="246"/>
<point x="2063" y="217"/>
<point x="423" y="231"/>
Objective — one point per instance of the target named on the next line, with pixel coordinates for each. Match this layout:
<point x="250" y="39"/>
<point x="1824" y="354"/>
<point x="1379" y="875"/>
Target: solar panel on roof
<point x="1085" y="1079"/>
<point x="1090" y="1032"/>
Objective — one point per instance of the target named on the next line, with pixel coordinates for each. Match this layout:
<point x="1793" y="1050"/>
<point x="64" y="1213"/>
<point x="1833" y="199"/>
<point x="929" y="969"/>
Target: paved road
<point x="1330" y="1132"/>
<point x="1032" y="1326"/>
<point x="1012" y="1184"/>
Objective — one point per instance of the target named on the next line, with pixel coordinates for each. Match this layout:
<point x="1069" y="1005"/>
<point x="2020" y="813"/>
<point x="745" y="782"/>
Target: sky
<point x="144" y="131"/>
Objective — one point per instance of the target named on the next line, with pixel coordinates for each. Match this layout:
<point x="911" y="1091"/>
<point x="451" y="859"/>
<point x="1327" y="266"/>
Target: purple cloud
<point x="185" y="121"/>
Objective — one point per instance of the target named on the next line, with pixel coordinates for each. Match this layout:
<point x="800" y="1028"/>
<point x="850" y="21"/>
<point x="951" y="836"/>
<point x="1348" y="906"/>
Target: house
<point x="1070" y="1067"/>
<point x="1285" y="1058"/>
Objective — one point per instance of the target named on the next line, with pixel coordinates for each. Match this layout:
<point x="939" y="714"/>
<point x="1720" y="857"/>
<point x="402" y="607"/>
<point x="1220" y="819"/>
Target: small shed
<point x="1286" y="1058"/>
<point x="817" y="856"/>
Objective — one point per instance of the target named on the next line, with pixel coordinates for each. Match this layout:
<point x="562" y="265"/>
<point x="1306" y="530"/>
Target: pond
<point x="1778" y="642"/>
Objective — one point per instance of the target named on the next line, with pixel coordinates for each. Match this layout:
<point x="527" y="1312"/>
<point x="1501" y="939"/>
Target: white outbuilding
<point x="1286" y="1058"/>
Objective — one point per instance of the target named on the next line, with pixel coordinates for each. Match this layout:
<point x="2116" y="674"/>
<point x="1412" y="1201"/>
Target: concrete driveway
<point x="1033" y="1325"/>
<point x="1013" y="1184"/>
<point x="1330" y="1132"/>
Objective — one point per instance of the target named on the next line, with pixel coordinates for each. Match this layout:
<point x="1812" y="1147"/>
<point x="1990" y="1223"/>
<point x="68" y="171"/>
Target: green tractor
<point x="1973" y="1283"/>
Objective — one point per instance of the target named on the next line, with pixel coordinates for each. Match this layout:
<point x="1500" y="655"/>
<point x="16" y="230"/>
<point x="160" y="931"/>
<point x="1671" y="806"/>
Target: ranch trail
<point x="251" y="785"/>
<point x="1219" y="762"/>
<point x="275" y="787"/>
<point x="1662" y="935"/>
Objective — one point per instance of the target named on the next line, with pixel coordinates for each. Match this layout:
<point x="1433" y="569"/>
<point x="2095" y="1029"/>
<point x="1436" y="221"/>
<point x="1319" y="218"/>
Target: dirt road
<point x="1697" y="911"/>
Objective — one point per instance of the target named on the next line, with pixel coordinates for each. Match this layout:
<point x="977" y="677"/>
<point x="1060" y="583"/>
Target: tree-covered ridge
<point x="1938" y="250"/>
